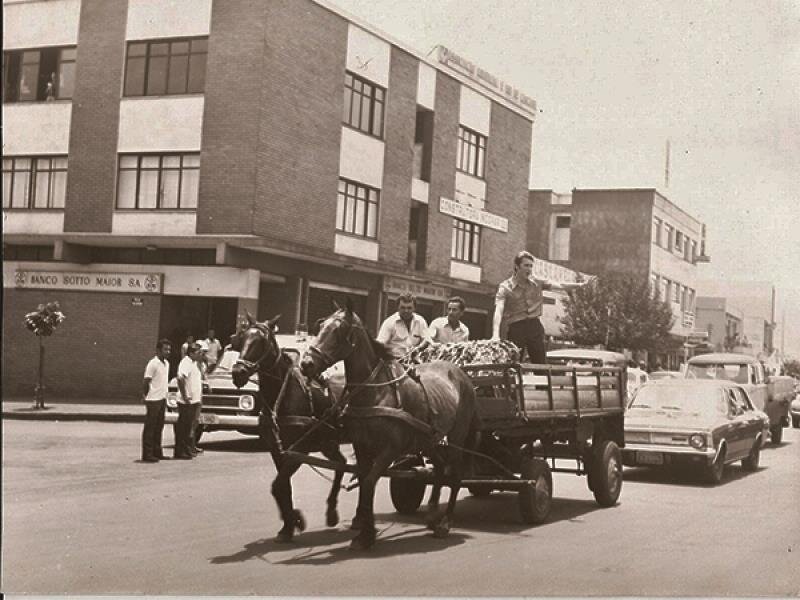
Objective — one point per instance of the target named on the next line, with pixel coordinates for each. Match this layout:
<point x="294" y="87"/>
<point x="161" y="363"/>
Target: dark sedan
<point x="709" y="424"/>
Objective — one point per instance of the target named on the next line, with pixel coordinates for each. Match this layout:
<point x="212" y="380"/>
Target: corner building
<point x="169" y="165"/>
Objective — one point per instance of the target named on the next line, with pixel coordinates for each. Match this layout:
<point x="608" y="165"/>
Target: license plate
<point x="209" y="419"/>
<point x="649" y="458"/>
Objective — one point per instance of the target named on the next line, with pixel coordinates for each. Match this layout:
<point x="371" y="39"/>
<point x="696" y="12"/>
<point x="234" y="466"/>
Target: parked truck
<point x="771" y="394"/>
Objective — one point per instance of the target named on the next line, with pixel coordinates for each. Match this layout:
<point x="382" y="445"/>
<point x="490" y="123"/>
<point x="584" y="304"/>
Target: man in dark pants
<point x="154" y="395"/>
<point x="190" y="384"/>
<point x="518" y="304"/>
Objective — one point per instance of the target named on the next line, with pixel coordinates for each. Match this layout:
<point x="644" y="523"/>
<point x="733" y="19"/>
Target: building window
<point x="471" y="152"/>
<point x="668" y="236"/>
<point x="166" y="67"/>
<point x="357" y="209"/>
<point x="158" y="181"/>
<point x="676" y="293"/>
<point x="466" y="242"/>
<point x="656" y="231"/>
<point x="363" y="105"/>
<point x="654" y="285"/>
<point x="39" y="75"/>
<point x="693" y="253"/>
<point x="38" y="182"/>
<point x="559" y="248"/>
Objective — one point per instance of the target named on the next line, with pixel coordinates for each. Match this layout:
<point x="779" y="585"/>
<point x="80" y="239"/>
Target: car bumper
<point x="234" y="422"/>
<point x="659" y="455"/>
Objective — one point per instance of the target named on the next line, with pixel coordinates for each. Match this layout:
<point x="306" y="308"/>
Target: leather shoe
<point x="198" y="450"/>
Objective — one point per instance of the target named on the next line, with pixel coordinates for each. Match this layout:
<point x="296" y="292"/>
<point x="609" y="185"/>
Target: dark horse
<point x="291" y="410"/>
<point x="391" y="413"/>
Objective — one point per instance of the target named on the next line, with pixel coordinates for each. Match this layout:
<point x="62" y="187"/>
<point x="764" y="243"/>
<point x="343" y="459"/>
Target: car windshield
<point x="228" y="360"/>
<point x="663" y="375"/>
<point x="728" y="372"/>
<point x="698" y="401"/>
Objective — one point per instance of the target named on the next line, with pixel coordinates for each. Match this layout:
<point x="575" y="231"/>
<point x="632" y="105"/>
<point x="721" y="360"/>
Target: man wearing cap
<point x="190" y="384"/>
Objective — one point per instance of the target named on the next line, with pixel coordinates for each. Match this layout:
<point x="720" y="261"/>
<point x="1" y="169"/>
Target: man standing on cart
<point x="518" y="307"/>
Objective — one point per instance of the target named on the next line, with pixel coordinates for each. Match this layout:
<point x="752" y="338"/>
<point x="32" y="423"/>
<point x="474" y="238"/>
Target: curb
<point x="60" y="416"/>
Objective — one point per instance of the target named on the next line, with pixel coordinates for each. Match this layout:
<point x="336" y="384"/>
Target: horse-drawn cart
<point x="534" y="420"/>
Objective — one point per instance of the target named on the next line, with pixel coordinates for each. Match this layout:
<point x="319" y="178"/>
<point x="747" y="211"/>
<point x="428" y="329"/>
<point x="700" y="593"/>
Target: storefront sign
<point x="543" y="269"/>
<point x="395" y="285"/>
<point x="473" y="215"/>
<point x="137" y="283"/>
<point x="495" y="84"/>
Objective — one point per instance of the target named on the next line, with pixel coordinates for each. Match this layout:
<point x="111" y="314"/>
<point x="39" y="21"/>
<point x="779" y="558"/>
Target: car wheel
<point x="607" y="474"/>
<point x="751" y="462"/>
<point x="714" y="471"/>
<point x="535" y="500"/>
<point x="776" y="433"/>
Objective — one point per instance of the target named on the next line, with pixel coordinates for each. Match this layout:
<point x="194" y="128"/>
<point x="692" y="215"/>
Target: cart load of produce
<point x="476" y="352"/>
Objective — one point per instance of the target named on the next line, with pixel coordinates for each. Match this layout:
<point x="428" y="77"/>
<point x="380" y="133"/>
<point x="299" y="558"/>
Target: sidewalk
<point x="75" y="409"/>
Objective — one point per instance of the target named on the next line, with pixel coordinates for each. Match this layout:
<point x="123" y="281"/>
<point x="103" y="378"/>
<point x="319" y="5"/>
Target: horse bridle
<point x="329" y="360"/>
<point x="252" y="367"/>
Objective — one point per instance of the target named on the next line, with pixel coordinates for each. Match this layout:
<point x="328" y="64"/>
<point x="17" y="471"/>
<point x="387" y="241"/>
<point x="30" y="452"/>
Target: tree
<point x="618" y="311"/>
<point x="43" y="322"/>
<point x="792" y="367"/>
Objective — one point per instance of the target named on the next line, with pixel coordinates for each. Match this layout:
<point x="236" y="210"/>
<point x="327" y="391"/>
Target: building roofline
<point x="369" y="28"/>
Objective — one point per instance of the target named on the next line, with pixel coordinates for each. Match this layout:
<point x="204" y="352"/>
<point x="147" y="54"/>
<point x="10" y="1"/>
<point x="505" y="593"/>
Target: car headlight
<point x="246" y="402"/>
<point x="172" y="399"/>
<point x="697" y="440"/>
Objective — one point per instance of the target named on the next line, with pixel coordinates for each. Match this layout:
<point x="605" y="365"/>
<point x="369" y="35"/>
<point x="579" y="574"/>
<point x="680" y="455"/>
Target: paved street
<point x="82" y="516"/>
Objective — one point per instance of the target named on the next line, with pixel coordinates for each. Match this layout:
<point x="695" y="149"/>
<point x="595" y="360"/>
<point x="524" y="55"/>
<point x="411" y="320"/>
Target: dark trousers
<point x="529" y="335"/>
<point x="153" y="429"/>
<point x="184" y="428"/>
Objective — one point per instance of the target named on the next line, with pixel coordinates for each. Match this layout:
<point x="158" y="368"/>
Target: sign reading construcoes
<point x="498" y="86"/>
<point x="137" y="283"/>
<point x="394" y="285"/>
<point x="543" y="269"/>
<point x="473" y="215"/>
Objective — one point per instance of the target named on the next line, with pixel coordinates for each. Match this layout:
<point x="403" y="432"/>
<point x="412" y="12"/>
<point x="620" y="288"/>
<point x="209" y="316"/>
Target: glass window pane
<point x="372" y="221"/>
<point x="364" y="124"/>
<point x="346" y="106"/>
<point x="41" y="189"/>
<point x="66" y="80"/>
<point x="159" y="49"/>
<point x="178" y="70"/>
<point x="58" y="183"/>
<point x="150" y="162"/>
<point x="349" y="214"/>
<point x="355" y="114"/>
<point x="171" y="161"/>
<point x="191" y="160"/>
<point x="134" y="77"/>
<point x="157" y="76"/>
<point x="377" y="121"/>
<point x="28" y="80"/>
<point x="60" y="162"/>
<point x="453" y="244"/>
<point x="361" y="217"/>
<point x="137" y="49"/>
<point x="197" y="73"/>
<point x="126" y="194"/>
<point x="179" y="48"/>
<point x="200" y="45"/>
<point x="148" y="189"/>
<point x="21" y="189"/>
<point x="169" y="189"/>
<point x="340" y="200"/>
<point x="190" y="183"/>
<point x="69" y="53"/>
<point x="6" y="189"/>
<point x="127" y="161"/>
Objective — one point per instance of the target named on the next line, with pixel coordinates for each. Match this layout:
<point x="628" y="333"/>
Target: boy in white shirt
<point x="190" y="384"/>
<point x="154" y="395"/>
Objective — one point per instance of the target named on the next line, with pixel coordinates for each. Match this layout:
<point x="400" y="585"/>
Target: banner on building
<point x="134" y="283"/>
<point x="473" y="215"/>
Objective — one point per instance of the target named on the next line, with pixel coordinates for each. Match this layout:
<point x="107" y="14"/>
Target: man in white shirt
<point x="190" y="384"/>
<point x="154" y="395"/>
<point x="214" y="350"/>
<point x="403" y="330"/>
<point x="445" y="330"/>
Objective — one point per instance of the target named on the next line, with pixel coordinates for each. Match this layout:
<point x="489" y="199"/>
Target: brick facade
<point x="99" y="351"/>
<point x="91" y="185"/>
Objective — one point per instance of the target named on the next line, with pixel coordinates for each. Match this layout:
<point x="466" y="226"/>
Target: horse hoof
<point x="358" y="523"/>
<point x="299" y="521"/>
<point x="432" y="520"/>
<point x="332" y="517"/>
<point x="362" y="542"/>
<point x="441" y="530"/>
<point x="284" y="537"/>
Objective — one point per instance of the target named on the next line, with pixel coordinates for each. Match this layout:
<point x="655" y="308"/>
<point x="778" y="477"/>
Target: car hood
<point x="657" y="419"/>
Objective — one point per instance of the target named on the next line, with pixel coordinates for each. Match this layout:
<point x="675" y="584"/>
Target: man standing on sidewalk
<point x="154" y="394"/>
<point x="190" y="384"/>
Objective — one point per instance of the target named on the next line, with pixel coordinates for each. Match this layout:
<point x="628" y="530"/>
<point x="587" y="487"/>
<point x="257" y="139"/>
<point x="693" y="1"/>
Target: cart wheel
<point x="607" y="474"/>
<point x="480" y="491"/>
<point x="406" y="495"/>
<point x="535" y="500"/>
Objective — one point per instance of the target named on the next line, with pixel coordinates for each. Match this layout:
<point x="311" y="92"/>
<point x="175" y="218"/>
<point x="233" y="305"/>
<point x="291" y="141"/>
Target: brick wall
<point x="300" y="123"/>
<point x="611" y="230"/>
<point x="401" y="114"/>
<point x="235" y="76"/>
<point x="538" y="232"/>
<point x="91" y="185"/>
<point x="443" y="172"/>
<point x="100" y="350"/>
<point x="508" y="159"/>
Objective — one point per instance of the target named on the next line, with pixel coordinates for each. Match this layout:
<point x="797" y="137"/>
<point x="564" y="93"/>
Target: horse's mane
<point x="380" y="350"/>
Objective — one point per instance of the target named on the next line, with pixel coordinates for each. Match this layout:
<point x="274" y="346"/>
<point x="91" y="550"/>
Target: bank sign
<point x="134" y="283"/>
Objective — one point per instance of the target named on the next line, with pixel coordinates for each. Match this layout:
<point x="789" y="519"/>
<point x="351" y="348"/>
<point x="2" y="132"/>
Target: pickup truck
<point x="228" y="408"/>
<point x="771" y="394"/>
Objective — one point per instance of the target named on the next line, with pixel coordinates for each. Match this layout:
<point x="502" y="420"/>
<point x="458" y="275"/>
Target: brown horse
<point x="391" y="412"/>
<point x="291" y="409"/>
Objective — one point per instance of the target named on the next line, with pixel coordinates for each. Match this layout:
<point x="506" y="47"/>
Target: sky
<point x="615" y="80"/>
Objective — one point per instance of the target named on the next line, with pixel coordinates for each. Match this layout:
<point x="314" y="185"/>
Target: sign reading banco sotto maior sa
<point x="134" y="283"/>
